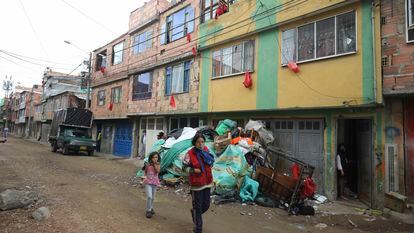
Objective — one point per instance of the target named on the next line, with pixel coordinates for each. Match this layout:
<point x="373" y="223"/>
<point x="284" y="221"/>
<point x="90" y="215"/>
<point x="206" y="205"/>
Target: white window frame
<point x="121" y="52"/>
<point x="326" y="57"/>
<point x="99" y="103"/>
<point x="147" y="43"/>
<point x="115" y="94"/>
<point x="408" y="24"/>
<point x="242" y="43"/>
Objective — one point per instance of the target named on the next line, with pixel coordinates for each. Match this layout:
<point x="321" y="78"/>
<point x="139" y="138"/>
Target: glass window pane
<point x="160" y="124"/>
<point x="174" y="123"/>
<point x="284" y="126"/>
<point x="316" y="125"/>
<point x="226" y="61"/>
<point x="178" y="25"/>
<point x="118" y="52"/>
<point x="177" y="78"/>
<point x="248" y="56"/>
<point x="306" y="42"/>
<point x="346" y="33"/>
<point x="194" y="122"/>
<point x="309" y="125"/>
<point x="183" y="122"/>
<point x="151" y="123"/>
<point x="237" y="58"/>
<point x="301" y="125"/>
<point x="288" y="46"/>
<point x="290" y="124"/>
<point x="216" y="63"/>
<point x="325" y="37"/>
<point x="277" y="125"/>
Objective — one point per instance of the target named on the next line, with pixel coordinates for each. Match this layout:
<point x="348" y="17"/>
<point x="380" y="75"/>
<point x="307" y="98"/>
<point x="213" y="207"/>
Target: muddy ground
<point x="95" y="194"/>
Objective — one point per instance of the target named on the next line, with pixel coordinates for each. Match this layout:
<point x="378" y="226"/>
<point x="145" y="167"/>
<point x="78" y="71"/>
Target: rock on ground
<point x="14" y="199"/>
<point x="41" y="213"/>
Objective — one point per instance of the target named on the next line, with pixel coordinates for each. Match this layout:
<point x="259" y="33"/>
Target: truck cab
<point x="74" y="139"/>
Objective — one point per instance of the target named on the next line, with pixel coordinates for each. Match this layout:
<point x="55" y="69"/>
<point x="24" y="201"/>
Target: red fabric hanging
<point x="293" y="66"/>
<point x="295" y="171"/>
<point x="188" y="37"/>
<point x="172" y="101"/>
<point x="102" y="69"/>
<point x="309" y="187"/>
<point x="194" y="50"/>
<point x="110" y="106"/>
<point x="248" y="82"/>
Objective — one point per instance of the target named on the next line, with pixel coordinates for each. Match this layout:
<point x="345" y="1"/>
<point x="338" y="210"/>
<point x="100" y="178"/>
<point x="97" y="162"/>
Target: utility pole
<point x="7" y="86"/>
<point x="88" y="81"/>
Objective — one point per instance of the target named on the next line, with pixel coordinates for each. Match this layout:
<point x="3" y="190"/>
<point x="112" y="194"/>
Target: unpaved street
<point x="93" y="194"/>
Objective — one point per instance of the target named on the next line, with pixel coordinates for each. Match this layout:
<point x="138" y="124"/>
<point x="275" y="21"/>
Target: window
<point x="209" y="9"/>
<point x="234" y="59"/>
<point x="100" y="60"/>
<point x="101" y="97"/>
<point x="410" y="12"/>
<point x="177" y="78"/>
<point x="116" y="95"/>
<point x="142" y="86"/>
<point x="117" y="54"/>
<point x="410" y="20"/>
<point x="142" y="42"/>
<point x="176" y="123"/>
<point x="178" y="25"/>
<point x="332" y="36"/>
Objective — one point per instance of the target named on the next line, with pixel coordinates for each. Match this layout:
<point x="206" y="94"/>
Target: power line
<point x="89" y="17"/>
<point x="16" y="63"/>
<point x="35" y="59"/>
<point x="31" y="62"/>
<point x="32" y="27"/>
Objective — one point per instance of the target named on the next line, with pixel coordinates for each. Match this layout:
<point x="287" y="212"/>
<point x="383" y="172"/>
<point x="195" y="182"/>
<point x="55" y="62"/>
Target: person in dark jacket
<point x="198" y="162"/>
<point x="341" y="165"/>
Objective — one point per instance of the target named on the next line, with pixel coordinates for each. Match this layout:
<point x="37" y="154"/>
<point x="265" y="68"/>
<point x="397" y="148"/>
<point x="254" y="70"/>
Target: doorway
<point x="356" y="136"/>
<point x="106" y="143"/>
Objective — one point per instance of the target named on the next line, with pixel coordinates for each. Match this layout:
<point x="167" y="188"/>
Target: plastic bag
<point x="249" y="190"/>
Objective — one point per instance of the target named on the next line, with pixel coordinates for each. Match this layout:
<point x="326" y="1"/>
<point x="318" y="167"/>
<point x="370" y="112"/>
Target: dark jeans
<point x="98" y="146"/>
<point x="201" y="203"/>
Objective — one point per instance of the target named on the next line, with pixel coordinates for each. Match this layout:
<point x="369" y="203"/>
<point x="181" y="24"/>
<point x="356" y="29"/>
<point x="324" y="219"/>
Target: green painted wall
<point x="205" y="78"/>
<point x="265" y="13"/>
<point x="367" y="53"/>
<point x="267" y="69"/>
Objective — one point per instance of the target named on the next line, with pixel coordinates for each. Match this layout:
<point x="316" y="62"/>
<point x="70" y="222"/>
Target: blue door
<point x="123" y="139"/>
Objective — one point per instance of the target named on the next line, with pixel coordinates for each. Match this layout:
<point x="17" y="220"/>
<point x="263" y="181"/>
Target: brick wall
<point x="398" y="55"/>
<point x="150" y="9"/>
<point x="119" y="110"/>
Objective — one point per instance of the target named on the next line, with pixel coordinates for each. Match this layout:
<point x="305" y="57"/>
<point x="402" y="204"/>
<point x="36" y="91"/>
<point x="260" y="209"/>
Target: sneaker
<point x="148" y="214"/>
<point x="152" y="212"/>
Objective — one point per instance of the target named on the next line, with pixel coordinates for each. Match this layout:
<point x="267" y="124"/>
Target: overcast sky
<point x="41" y="31"/>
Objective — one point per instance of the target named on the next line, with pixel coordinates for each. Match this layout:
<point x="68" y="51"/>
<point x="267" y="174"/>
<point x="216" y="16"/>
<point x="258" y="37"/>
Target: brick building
<point x="397" y="19"/>
<point x="138" y="76"/>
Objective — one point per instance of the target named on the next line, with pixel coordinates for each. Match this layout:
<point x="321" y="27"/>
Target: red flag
<point x="194" y="50"/>
<point x="102" y="69"/>
<point x="248" y="83"/>
<point x="172" y="101"/>
<point x="110" y="106"/>
<point x="188" y="37"/>
<point x="293" y="66"/>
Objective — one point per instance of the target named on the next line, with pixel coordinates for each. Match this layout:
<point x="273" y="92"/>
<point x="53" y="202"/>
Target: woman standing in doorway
<point x="198" y="163"/>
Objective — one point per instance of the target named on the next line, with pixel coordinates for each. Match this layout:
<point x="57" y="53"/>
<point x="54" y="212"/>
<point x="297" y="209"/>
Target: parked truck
<point x="71" y="131"/>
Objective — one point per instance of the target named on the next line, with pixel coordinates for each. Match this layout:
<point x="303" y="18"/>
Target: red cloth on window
<point x="110" y="106"/>
<point x="172" y="101"/>
<point x="248" y="83"/>
<point x="102" y="69"/>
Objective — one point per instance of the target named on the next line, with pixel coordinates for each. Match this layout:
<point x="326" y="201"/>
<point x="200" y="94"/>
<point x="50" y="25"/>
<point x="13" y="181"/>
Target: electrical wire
<point x="35" y="59"/>
<point x="89" y="17"/>
<point x="32" y="27"/>
<point x="9" y="60"/>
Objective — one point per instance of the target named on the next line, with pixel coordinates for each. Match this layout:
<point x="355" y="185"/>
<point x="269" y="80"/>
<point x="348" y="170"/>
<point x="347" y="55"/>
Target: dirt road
<point x="92" y="194"/>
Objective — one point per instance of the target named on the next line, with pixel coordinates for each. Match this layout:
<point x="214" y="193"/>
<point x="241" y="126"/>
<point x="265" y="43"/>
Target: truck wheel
<point x="54" y="147"/>
<point x="90" y="153"/>
<point x="65" y="150"/>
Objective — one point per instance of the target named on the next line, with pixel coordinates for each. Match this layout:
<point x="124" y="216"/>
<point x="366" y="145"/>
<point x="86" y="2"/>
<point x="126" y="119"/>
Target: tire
<point x="65" y="150"/>
<point x="90" y="153"/>
<point x="54" y="147"/>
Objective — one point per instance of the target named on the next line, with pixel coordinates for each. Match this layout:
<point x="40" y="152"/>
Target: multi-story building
<point x="147" y="78"/>
<point x="316" y="81"/>
<point x="59" y="91"/>
<point x="397" y="28"/>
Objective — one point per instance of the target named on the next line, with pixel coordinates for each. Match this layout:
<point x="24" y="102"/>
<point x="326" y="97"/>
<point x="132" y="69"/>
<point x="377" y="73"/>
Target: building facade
<point x="398" y="71"/>
<point x="316" y="82"/>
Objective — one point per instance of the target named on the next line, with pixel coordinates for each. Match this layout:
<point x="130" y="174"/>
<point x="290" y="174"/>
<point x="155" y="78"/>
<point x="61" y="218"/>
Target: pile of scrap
<point x="242" y="169"/>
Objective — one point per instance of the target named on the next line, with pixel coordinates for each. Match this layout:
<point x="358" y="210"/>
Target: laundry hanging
<point x="248" y="83"/>
<point x="110" y="106"/>
<point x="293" y="66"/>
<point x="102" y="69"/>
<point x="172" y="101"/>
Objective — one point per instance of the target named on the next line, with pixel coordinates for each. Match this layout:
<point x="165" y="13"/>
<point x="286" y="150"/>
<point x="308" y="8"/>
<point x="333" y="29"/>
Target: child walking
<point x="151" y="181"/>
